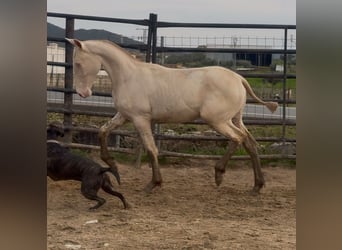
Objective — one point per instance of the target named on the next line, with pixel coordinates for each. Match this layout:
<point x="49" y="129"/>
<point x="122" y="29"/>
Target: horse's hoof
<point x="117" y="177"/>
<point x="114" y="169"/>
<point x="127" y="205"/>
<point x="254" y="192"/>
<point x="218" y="177"/>
<point x="256" y="189"/>
<point x="148" y="189"/>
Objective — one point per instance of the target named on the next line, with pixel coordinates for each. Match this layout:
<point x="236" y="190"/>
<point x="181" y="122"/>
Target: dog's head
<point x="54" y="131"/>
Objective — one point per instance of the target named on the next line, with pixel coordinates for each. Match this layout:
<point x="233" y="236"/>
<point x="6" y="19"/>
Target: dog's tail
<point x="113" y="171"/>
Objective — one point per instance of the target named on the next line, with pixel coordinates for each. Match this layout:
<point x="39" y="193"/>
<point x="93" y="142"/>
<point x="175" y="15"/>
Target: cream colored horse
<point x="145" y="93"/>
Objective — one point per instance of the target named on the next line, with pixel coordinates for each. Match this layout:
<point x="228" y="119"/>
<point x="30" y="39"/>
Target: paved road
<point x="251" y="110"/>
<point x="260" y="111"/>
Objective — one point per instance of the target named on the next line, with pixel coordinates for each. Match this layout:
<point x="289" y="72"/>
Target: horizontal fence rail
<point x="143" y="22"/>
<point x="223" y="25"/>
<point x="225" y="50"/>
<point x="69" y="108"/>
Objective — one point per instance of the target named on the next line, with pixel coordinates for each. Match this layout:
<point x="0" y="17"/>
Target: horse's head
<point x="86" y="65"/>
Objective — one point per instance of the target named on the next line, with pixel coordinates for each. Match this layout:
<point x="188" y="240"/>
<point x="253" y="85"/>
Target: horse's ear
<point x="75" y="42"/>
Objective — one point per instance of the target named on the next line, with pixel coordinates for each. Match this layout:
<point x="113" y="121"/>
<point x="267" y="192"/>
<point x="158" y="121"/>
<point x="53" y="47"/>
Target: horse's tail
<point x="272" y="106"/>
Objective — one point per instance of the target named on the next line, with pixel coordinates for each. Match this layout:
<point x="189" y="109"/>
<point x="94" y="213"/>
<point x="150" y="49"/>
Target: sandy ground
<point x="187" y="212"/>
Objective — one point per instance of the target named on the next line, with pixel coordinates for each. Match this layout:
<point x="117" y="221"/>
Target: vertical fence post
<point x="153" y="20"/>
<point x="284" y="88"/>
<point x="68" y="80"/>
<point x="162" y="44"/>
<point x="151" y="52"/>
<point x="154" y="37"/>
<point x="149" y="40"/>
<point x="151" y="56"/>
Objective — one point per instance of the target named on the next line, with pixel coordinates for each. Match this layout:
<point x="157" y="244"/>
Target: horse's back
<point x="180" y="95"/>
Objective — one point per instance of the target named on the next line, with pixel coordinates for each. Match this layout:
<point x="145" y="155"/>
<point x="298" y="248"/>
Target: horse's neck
<point x="111" y="55"/>
<point x="116" y="63"/>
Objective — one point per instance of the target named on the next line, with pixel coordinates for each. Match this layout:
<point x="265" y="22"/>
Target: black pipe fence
<point x="68" y="108"/>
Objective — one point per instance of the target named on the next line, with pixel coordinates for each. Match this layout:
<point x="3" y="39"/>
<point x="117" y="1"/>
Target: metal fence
<point x="62" y="99"/>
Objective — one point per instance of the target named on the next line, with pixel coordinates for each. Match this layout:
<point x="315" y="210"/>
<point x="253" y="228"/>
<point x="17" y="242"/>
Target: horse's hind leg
<point x="236" y="136"/>
<point x="251" y="147"/>
<point x="249" y="143"/>
<point x="114" y="123"/>
<point x="220" y="167"/>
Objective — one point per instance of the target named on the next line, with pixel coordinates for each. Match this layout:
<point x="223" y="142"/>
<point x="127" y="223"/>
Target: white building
<point x="54" y="53"/>
<point x="55" y="74"/>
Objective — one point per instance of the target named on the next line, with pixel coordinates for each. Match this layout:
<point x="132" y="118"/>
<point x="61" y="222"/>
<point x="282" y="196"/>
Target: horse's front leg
<point x="143" y="127"/>
<point x="105" y="130"/>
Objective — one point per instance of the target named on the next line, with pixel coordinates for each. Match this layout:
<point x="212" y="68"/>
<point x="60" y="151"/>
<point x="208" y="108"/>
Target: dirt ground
<point x="187" y="212"/>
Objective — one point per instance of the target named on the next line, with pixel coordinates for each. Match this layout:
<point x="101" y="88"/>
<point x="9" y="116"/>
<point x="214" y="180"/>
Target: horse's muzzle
<point x="84" y="93"/>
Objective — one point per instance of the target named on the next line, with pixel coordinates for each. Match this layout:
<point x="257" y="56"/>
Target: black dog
<point x="64" y="165"/>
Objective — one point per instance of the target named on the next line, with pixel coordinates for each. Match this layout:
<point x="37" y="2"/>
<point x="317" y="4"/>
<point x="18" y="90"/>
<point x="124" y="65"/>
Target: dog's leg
<point x="108" y="188"/>
<point x="91" y="194"/>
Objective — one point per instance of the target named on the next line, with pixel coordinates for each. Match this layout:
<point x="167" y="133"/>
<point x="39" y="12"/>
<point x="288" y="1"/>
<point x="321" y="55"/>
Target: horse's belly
<point x="172" y="115"/>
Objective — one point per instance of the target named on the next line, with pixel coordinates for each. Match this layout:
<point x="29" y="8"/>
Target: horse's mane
<point x="119" y="48"/>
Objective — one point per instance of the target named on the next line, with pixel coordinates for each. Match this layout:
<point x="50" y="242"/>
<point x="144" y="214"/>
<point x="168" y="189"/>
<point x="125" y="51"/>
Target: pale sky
<point x="211" y="11"/>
